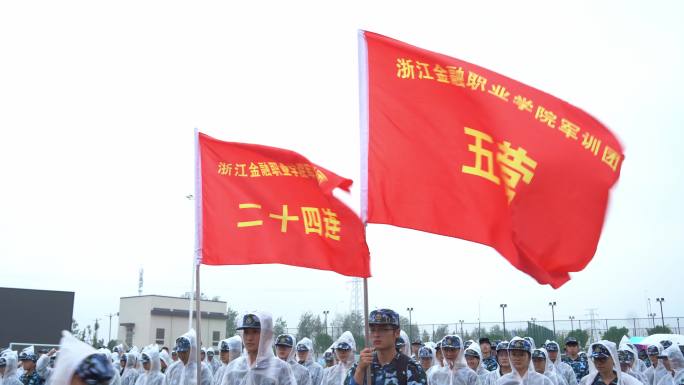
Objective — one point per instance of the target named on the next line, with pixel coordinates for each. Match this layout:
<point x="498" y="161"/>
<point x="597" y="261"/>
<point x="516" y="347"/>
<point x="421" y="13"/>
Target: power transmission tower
<point x="140" y="281"/>
<point x="355" y="295"/>
<point x="593" y="336"/>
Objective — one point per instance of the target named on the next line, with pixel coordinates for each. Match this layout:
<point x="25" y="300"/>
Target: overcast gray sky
<point x="98" y="101"/>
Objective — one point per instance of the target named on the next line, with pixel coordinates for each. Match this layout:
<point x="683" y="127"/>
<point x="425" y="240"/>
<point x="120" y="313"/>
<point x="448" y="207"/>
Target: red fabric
<point x="264" y="180"/>
<point x="422" y="119"/>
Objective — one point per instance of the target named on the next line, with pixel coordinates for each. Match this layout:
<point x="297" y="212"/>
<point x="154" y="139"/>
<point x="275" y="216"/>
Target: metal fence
<point x="559" y="329"/>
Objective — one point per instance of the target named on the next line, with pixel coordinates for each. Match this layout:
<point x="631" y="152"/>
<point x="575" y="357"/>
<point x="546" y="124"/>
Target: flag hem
<point x="363" y="123"/>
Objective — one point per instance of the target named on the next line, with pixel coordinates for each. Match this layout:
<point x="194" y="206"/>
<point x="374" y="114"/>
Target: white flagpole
<point x="197" y="257"/>
<point x="363" y="124"/>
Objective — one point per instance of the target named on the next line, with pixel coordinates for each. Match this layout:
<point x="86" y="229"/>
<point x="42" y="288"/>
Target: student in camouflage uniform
<point x="488" y="359"/>
<point x="387" y="366"/>
<point x="28" y="361"/>
<point x="578" y="364"/>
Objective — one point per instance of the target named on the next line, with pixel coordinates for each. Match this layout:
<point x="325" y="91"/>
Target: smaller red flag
<point x="268" y="205"/>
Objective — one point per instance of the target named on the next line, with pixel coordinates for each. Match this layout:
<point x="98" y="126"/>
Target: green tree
<point x="323" y="342"/>
<point x="74" y="328"/>
<point x="539" y="333"/>
<point x="111" y="344"/>
<point x="581" y="335"/>
<point x="413" y="332"/>
<point x="306" y="326"/>
<point x="280" y="327"/>
<point x="425" y="337"/>
<point x="495" y="333"/>
<point x="440" y="332"/>
<point x="615" y="334"/>
<point x="659" y="330"/>
<point x="231" y="322"/>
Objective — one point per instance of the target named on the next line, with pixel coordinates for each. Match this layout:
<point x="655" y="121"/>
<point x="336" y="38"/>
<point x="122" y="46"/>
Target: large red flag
<point x="458" y="150"/>
<point x="267" y="205"/>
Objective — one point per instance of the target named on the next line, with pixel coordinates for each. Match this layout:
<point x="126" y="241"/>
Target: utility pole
<point x="592" y="319"/>
<point x="325" y="314"/>
<point x="503" y="314"/>
<point x="660" y="301"/>
<point x="461" y="321"/>
<point x="110" y="315"/>
<point x="572" y="326"/>
<point x="553" y="317"/>
<point x="410" y="341"/>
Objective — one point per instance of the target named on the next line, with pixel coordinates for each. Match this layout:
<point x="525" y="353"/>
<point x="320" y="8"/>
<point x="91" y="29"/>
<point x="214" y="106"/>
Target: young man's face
<point x="450" y="354"/>
<point x="146" y="365"/>
<point x="438" y="355"/>
<point x="174" y="356"/>
<point x="283" y="352"/>
<point x="415" y="348"/>
<point x="539" y="365"/>
<point x="184" y="357"/>
<point x="572" y="349"/>
<point x="203" y="355"/>
<point x="225" y="357"/>
<point x="343" y="355"/>
<point x="486" y="348"/>
<point x="383" y="336"/>
<point x="426" y="363"/>
<point x="624" y="366"/>
<point x="603" y="364"/>
<point x="28" y="365"/>
<point x="520" y="359"/>
<point x="473" y="362"/>
<point x="654" y="360"/>
<point x="2" y="370"/>
<point x="666" y="364"/>
<point x="250" y="338"/>
<point x="502" y="358"/>
<point x="553" y="355"/>
<point x="302" y="355"/>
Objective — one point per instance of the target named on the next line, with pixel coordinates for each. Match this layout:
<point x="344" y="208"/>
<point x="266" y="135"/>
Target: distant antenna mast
<point x="355" y="295"/>
<point x="140" y="282"/>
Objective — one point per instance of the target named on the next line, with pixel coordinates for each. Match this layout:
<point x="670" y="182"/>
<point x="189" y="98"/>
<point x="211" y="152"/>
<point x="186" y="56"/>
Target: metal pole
<point x="662" y="317"/>
<point x="679" y="331"/>
<point x="199" y="329"/>
<point x="572" y="324"/>
<point x="198" y="254"/>
<point x="365" y="309"/>
<point x="553" y="317"/>
<point x="635" y="331"/>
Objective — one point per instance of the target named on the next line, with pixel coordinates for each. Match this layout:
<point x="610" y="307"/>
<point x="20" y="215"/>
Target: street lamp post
<point x="325" y="314"/>
<point x="410" y="310"/>
<point x="503" y="314"/>
<point x="572" y="325"/>
<point x="553" y="317"/>
<point x="461" y="322"/>
<point x="662" y="317"/>
<point x="652" y="316"/>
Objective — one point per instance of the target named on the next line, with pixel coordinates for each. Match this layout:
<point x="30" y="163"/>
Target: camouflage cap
<point x="520" y="344"/>
<point x="451" y="342"/>
<point x="625" y="356"/>
<point x="666" y="344"/>
<point x="284" y="340"/>
<point x="571" y="341"/>
<point x="552" y="346"/>
<point x="145" y="358"/>
<point x="384" y="317"/>
<point x="417" y="342"/>
<point x="224" y="346"/>
<point x="182" y="344"/>
<point x="471" y="353"/>
<point x="302" y="348"/>
<point x="599" y="351"/>
<point x="652" y="350"/>
<point x="343" y="346"/>
<point x="25" y="356"/>
<point x="3" y="362"/>
<point x="538" y="354"/>
<point x="249" y="321"/>
<point x="95" y="369"/>
<point x="424" y="352"/>
<point x="503" y="345"/>
<point x="328" y="356"/>
<point x="468" y="343"/>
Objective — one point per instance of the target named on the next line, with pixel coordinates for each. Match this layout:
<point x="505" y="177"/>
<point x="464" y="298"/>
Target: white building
<point x="159" y="319"/>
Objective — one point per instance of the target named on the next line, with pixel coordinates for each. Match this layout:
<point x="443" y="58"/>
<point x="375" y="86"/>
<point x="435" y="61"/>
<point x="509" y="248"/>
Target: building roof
<point x="168" y="296"/>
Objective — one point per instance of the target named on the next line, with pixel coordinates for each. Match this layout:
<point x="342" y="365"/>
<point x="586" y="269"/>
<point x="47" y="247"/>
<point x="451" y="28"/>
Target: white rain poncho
<point x="116" y="363"/>
<point x="43" y="367"/>
<point x="336" y="374"/>
<point x="165" y="359"/>
<point x="10" y="376"/>
<point x="530" y="377"/>
<point x="638" y="365"/>
<point x="406" y="349"/>
<point x="627" y="347"/>
<point x="622" y="380"/>
<point x="481" y="371"/>
<point x="234" y="351"/>
<point x="676" y="360"/>
<point x="314" y="368"/>
<point x="153" y="376"/>
<point x="266" y="369"/>
<point x="549" y="369"/>
<point x="71" y="353"/>
<point x="116" y="380"/>
<point x="131" y="372"/>
<point x="454" y="372"/>
<point x="186" y="374"/>
<point x="215" y="362"/>
<point x="205" y="360"/>
<point x="654" y="374"/>
<point x="563" y="370"/>
<point x="301" y="374"/>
